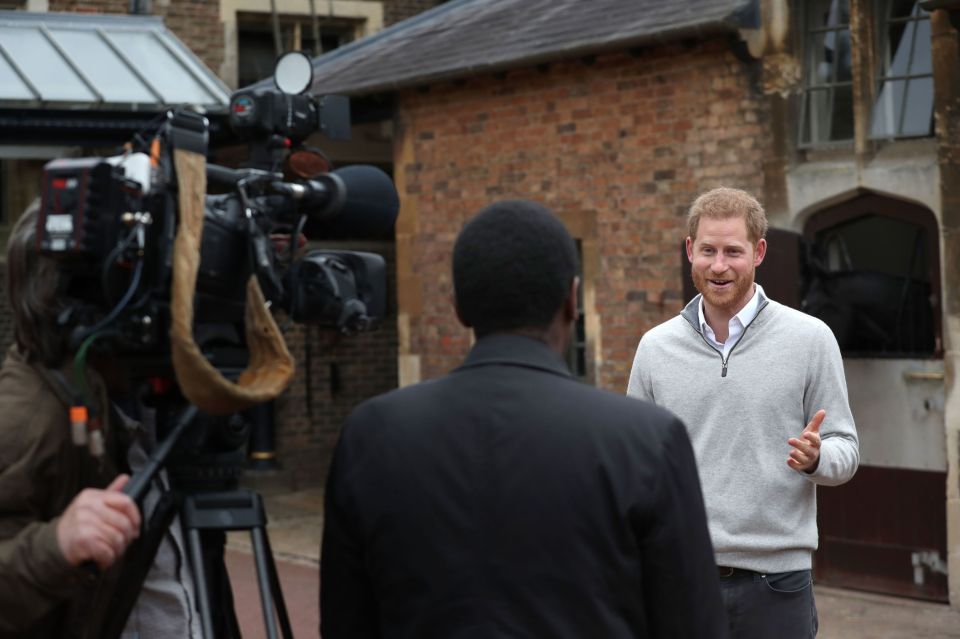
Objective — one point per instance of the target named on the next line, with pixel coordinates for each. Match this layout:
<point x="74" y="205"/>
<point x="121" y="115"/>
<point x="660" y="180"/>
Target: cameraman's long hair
<point x="32" y="293"/>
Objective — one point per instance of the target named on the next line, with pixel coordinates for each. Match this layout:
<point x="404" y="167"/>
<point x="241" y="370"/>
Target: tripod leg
<point x="200" y="578"/>
<point x="257" y="536"/>
<point x="214" y="595"/>
<point x="285" y="627"/>
<point x="206" y="516"/>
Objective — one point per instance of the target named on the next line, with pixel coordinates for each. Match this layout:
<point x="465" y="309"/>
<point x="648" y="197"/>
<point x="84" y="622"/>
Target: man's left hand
<point x="805" y="454"/>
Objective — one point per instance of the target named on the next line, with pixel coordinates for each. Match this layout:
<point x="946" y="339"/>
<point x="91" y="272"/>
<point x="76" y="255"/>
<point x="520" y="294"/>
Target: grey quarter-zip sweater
<point x="740" y="411"/>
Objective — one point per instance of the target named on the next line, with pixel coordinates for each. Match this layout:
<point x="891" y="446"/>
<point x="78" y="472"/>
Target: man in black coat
<point x="506" y="499"/>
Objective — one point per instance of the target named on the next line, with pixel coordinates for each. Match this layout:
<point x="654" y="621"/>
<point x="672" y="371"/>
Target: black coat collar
<point x="515" y="350"/>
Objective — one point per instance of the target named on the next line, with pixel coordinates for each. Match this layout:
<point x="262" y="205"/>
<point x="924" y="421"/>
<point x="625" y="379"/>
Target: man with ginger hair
<point x="761" y="389"/>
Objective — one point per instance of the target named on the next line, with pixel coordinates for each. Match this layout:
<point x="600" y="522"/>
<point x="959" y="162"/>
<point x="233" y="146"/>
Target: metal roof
<point x="100" y="61"/>
<point x="467" y="37"/>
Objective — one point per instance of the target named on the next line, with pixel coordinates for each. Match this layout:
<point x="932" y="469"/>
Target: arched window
<point x="873" y="276"/>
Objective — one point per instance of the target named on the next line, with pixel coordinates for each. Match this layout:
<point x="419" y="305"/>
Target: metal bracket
<point x="926" y="560"/>
<point x="923" y="376"/>
<point x="189" y="131"/>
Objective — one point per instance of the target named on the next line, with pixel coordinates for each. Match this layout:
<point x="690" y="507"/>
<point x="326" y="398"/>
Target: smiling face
<point x="723" y="263"/>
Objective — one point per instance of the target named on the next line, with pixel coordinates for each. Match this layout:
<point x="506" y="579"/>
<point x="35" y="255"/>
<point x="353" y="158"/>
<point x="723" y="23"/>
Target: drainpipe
<point x="944" y="19"/>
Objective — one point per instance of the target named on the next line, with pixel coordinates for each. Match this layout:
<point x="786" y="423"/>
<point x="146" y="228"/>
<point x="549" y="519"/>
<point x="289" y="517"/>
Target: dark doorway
<point x="872" y="273"/>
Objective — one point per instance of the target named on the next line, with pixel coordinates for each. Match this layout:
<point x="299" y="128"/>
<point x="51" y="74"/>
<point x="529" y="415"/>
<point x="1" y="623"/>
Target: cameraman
<point x="60" y="504"/>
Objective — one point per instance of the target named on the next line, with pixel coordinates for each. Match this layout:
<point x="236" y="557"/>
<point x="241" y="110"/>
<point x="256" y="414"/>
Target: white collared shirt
<point x="736" y="325"/>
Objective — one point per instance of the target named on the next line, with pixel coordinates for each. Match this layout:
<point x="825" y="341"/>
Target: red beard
<point x="732" y="298"/>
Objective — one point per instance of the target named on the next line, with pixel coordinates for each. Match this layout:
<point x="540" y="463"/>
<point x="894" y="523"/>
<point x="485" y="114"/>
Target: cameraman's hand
<point x="98" y="525"/>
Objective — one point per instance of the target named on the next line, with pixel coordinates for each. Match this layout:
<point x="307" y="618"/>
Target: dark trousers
<point x="767" y="606"/>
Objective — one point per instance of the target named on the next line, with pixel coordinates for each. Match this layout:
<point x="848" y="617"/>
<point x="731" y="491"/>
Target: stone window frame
<point x="868" y="23"/>
<point x="295" y="34"/>
<point x="582" y="225"/>
<point x="886" y="80"/>
<point x="828" y="87"/>
<point x="366" y="16"/>
<point x="576" y="356"/>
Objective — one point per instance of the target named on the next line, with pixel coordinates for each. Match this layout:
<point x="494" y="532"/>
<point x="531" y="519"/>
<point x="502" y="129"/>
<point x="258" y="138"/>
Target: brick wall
<point x="397" y="10"/>
<point x="197" y="24"/>
<point x="622" y="142"/>
<point x="343" y="371"/>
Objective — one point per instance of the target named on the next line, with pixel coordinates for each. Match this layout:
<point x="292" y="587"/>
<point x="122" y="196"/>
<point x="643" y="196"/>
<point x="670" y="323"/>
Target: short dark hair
<point x="33" y="296"/>
<point x="513" y="264"/>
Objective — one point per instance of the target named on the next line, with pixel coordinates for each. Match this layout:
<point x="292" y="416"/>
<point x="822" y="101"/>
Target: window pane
<point x="45" y="67"/>
<point x="817" y="120"/>
<point x="828" y="109"/>
<point x="112" y="78"/>
<point x="257" y="57"/>
<point x="812" y="110"/>
<point x="900" y="47"/>
<point x="828" y="115"/>
<point x="842" y="55"/>
<point x="829" y="58"/>
<point x="255" y="47"/>
<point x="11" y="86"/>
<point x="841" y="127"/>
<point x="820" y="69"/>
<point x="829" y="13"/>
<point x="919" y="107"/>
<point x="161" y="68"/>
<point x="895" y="33"/>
<point x="886" y="111"/>
<point x="921" y="50"/>
<point x="899" y="9"/>
<point x="904" y="107"/>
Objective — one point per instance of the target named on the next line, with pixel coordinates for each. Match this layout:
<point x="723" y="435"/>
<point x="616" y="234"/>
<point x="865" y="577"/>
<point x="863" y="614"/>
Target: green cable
<point x="80" y="367"/>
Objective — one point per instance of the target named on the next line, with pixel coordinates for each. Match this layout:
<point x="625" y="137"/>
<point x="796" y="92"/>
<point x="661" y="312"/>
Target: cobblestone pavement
<point x="296" y="521"/>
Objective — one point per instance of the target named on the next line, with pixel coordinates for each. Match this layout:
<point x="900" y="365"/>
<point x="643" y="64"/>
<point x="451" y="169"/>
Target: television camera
<point x="111" y="222"/>
<point x="145" y="249"/>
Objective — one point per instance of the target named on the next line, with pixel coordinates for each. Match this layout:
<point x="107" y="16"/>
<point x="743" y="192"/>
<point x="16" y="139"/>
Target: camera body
<point x="111" y="223"/>
<point x="265" y="112"/>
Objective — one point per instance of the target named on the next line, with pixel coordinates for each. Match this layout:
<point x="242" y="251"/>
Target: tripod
<point x="205" y="517"/>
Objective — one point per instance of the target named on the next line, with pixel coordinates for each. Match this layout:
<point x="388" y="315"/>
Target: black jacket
<point x="507" y="499"/>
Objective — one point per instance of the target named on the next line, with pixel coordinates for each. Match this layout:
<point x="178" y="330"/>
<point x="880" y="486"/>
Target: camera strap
<point x="270" y="366"/>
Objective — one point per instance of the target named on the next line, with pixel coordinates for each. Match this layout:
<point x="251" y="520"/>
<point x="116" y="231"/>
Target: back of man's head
<point x="513" y="264"/>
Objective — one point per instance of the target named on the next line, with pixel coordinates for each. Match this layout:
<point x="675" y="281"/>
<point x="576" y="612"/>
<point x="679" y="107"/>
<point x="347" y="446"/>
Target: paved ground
<point x="295" y="526"/>
<point x="301" y="587"/>
<point x="848" y="614"/>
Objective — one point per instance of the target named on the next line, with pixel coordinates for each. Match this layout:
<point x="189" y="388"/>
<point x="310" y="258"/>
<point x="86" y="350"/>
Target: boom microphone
<point x="355" y="201"/>
<point x="369" y="207"/>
